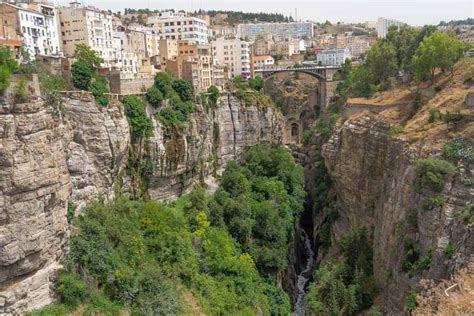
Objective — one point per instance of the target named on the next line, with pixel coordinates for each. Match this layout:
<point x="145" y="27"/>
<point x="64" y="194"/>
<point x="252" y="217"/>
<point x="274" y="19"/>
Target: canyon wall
<point x="50" y="163"/>
<point x="374" y="178"/>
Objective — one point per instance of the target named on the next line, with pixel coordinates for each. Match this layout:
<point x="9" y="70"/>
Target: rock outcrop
<point x="47" y="162"/>
<point x="51" y="162"/>
<point x="374" y="178"/>
<point x="211" y="139"/>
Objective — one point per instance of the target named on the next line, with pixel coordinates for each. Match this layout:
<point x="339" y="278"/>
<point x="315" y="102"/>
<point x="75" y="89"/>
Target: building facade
<point x="177" y="26"/>
<point x="279" y="31"/>
<point x="34" y="24"/>
<point x="90" y="26"/>
<point x="383" y="25"/>
<point x="234" y="54"/>
<point x="333" y="56"/>
<point x="260" y="62"/>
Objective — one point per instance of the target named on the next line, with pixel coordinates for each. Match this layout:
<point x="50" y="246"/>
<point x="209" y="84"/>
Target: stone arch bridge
<point x="325" y="88"/>
<point x="325" y="74"/>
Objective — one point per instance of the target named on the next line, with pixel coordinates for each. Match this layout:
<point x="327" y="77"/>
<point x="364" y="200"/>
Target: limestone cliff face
<point x="48" y="161"/>
<point x="374" y="178"/>
<point x="203" y="147"/>
<point x="45" y="162"/>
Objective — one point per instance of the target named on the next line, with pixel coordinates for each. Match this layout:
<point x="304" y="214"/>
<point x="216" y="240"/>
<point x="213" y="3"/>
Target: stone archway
<point x="295" y="133"/>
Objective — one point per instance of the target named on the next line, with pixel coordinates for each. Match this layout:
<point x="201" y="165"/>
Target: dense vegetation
<point x="250" y="91"/>
<point x="84" y="73"/>
<point x="8" y="66"/>
<point x="407" y="50"/>
<point x="222" y="251"/>
<point x="238" y="17"/>
<point x="344" y="288"/>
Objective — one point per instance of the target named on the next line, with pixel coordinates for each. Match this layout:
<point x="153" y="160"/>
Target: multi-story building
<point x="260" y="62"/>
<point x="286" y="48"/>
<point x="90" y="26"/>
<point x="226" y="31"/>
<point x="177" y="26"/>
<point x="36" y="24"/>
<point x="383" y="25"/>
<point x="279" y="31"/>
<point x="333" y="56"/>
<point x="234" y="54"/>
<point x="357" y="45"/>
<point x="126" y="59"/>
<point x="263" y="46"/>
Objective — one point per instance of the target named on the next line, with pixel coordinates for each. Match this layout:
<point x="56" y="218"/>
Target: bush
<point x="4" y="78"/>
<point x="434" y="115"/>
<point x="256" y="84"/>
<point x="140" y="123"/>
<point x="184" y="89"/>
<point x="452" y="117"/>
<point x="71" y="211"/>
<point x="71" y="288"/>
<point x="430" y="204"/>
<point x="458" y="148"/>
<point x="466" y="215"/>
<point x="449" y="251"/>
<point x="163" y="83"/>
<point x="433" y="173"/>
<point x="81" y="75"/>
<point x="20" y="91"/>
<point x="395" y="130"/>
<point x="214" y="95"/>
<point x="410" y="300"/>
<point x="98" y="87"/>
<point x="154" y="96"/>
<point x="438" y="88"/>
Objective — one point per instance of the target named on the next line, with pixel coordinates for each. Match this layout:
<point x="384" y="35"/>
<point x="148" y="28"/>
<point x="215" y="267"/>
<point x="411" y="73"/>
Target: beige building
<point x="263" y="46"/>
<point x="87" y="25"/>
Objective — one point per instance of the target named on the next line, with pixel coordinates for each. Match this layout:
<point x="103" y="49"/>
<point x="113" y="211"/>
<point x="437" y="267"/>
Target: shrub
<point x="98" y="87"/>
<point x="438" y="88"/>
<point x="184" y="89"/>
<point x="71" y="288"/>
<point x="4" y="78"/>
<point x="256" y="83"/>
<point x="458" y="148"/>
<point x="452" y="117"/>
<point x="81" y="75"/>
<point x="434" y="115"/>
<point x="140" y="123"/>
<point x="466" y="215"/>
<point x="20" y="91"/>
<point x="214" y="95"/>
<point x="154" y="96"/>
<point x="433" y="173"/>
<point x="412" y="254"/>
<point x="395" y="130"/>
<point x="71" y="210"/>
<point x="410" y="300"/>
<point x="434" y="202"/>
<point x="449" y="251"/>
<point x="376" y="311"/>
<point x="163" y="83"/>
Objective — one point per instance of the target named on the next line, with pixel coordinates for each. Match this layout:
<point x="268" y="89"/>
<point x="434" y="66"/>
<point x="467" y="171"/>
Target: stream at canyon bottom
<point x="305" y="274"/>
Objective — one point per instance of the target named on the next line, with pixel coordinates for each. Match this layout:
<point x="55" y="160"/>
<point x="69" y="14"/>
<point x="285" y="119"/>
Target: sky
<point x="414" y="12"/>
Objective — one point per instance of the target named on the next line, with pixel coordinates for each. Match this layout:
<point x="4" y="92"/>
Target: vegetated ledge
<point x="211" y="138"/>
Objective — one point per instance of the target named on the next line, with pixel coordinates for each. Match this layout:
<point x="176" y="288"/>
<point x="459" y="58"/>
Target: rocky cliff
<point x="50" y="163"/>
<point x="202" y="148"/>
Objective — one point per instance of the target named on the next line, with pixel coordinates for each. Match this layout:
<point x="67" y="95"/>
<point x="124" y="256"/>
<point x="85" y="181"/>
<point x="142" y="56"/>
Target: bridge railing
<point x="296" y="68"/>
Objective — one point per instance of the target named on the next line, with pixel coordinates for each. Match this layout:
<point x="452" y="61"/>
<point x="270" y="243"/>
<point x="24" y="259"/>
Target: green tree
<point x="4" y="78"/>
<point x="140" y="122"/>
<point x="256" y="83"/>
<point x="382" y="61"/>
<point x="163" y="83"/>
<point x="184" y="89"/>
<point x="88" y="56"/>
<point x="81" y="75"/>
<point x="440" y="50"/>
<point x="214" y="95"/>
<point x="154" y="96"/>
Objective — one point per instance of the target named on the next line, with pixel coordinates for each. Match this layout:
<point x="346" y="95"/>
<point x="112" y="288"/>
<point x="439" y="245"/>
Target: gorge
<point x="363" y="177"/>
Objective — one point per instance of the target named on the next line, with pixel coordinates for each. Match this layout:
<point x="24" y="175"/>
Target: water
<point x="305" y="274"/>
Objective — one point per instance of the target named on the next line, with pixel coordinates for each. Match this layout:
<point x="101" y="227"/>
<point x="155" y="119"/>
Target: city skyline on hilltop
<point x="417" y="12"/>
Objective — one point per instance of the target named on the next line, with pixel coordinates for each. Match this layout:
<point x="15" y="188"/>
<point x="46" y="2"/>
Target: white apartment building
<point x="234" y="54"/>
<point x="383" y="24"/>
<point x="260" y="62"/>
<point x="37" y="25"/>
<point x="90" y="26"/>
<point x="126" y="59"/>
<point x="177" y="26"/>
<point x="333" y="56"/>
